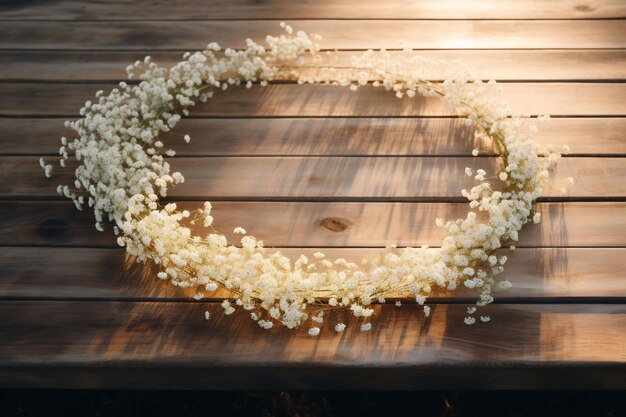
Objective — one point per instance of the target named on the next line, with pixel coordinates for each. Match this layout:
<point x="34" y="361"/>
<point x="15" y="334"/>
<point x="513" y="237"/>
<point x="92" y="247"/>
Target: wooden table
<point x="305" y="167"/>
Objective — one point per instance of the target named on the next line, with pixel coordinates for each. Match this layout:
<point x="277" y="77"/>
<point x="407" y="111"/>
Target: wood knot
<point x="334" y="224"/>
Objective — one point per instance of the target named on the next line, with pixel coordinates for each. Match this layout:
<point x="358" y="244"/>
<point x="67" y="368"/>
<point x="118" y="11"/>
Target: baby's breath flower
<point x="122" y="173"/>
<point x="265" y="324"/>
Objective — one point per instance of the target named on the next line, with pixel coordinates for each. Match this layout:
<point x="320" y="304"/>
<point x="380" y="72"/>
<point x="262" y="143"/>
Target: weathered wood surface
<point x="337" y="34"/>
<point x="331" y="136"/>
<point x="544" y="274"/>
<point x="511" y="64"/>
<point x="76" y="313"/>
<point x="323" y="224"/>
<point x="557" y="99"/>
<point x="333" y="178"/>
<point x="320" y="9"/>
<point x="142" y="344"/>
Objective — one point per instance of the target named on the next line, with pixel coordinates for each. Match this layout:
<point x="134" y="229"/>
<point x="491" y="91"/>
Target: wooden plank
<point x="335" y="178"/>
<point x="65" y="344"/>
<point x="330" y="137"/>
<point x="321" y="9"/>
<point x="557" y="99"/>
<point x="285" y="224"/>
<point x="486" y="64"/>
<point x="338" y="34"/>
<point x="80" y="273"/>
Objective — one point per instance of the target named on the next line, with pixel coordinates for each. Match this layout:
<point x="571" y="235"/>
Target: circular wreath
<point x="122" y="173"/>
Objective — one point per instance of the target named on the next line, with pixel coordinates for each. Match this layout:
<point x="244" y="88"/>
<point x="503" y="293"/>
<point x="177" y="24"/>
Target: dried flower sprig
<point x="122" y="174"/>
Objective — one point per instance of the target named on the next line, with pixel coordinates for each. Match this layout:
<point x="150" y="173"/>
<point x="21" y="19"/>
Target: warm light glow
<point x="460" y="43"/>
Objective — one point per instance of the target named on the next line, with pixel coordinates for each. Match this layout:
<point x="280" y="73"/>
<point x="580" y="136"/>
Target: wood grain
<point x="325" y="165"/>
<point x="86" y="273"/>
<point x="334" y="178"/>
<point x="561" y="64"/>
<point x="149" y="345"/>
<point x="330" y="136"/>
<point x="321" y="9"/>
<point x="337" y="34"/>
<point x="284" y="224"/>
<point x="557" y="99"/>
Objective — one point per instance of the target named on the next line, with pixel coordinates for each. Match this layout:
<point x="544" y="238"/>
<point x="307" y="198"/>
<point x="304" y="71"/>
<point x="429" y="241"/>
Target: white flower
<point x="485" y="319"/>
<point x="469" y="320"/>
<point x="265" y="324"/>
<point x="228" y="309"/>
<point x="122" y="174"/>
<point x="208" y="220"/>
<point x="366" y="327"/>
<point x="207" y="315"/>
<point x="340" y="327"/>
<point x="240" y="230"/>
<point x="314" y="331"/>
<point x="187" y="138"/>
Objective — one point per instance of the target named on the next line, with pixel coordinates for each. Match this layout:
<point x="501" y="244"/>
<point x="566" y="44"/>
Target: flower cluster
<point x="122" y="174"/>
